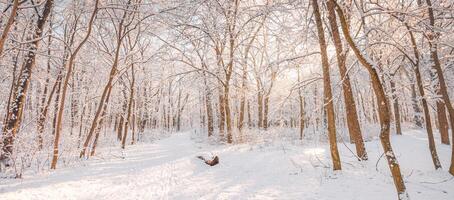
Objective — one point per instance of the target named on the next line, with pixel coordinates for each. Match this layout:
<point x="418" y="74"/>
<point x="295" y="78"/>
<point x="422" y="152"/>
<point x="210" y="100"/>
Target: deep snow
<point x="275" y="169"/>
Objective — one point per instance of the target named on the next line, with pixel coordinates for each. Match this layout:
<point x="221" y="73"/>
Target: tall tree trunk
<point x="101" y="121"/>
<point x="243" y="96"/>
<point x="328" y="97"/>
<point x="433" y="45"/>
<point x="44" y="94"/>
<point x="354" y="128"/>
<point x="301" y="107"/>
<point x="69" y="72"/>
<point x="15" y="120"/>
<point x="209" y="108"/>
<point x="56" y="103"/>
<point x="384" y="114"/>
<point x="102" y="101"/>
<point x="12" y="92"/>
<point x="74" y="104"/>
<point x="113" y="72"/>
<point x="244" y="75"/>
<point x="128" y="116"/>
<point x="443" y="124"/>
<point x="430" y="136"/>
<point x="228" y="118"/>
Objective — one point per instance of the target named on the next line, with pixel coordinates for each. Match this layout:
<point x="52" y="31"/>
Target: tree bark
<point x="15" y="120"/>
<point x="260" y="109"/>
<point x="69" y="72"/>
<point x="221" y="116"/>
<point x="430" y="136"/>
<point x="101" y="121"/>
<point x="209" y="108"/>
<point x="443" y="124"/>
<point x="128" y="116"/>
<point x="328" y="97"/>
<point x="384" y="114"/>
<point x="396" y="107"/>
<point x="107" y="88"/>
<point x="350" y="106"/>
<point x="433" y="45"/>
<point x="417" y="116"/>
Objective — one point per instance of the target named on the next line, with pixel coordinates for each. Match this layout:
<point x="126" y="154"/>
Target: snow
<point x="276" y="169"/>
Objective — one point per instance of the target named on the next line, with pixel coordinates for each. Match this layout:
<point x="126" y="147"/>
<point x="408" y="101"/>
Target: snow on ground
<point x="169" y="169"/>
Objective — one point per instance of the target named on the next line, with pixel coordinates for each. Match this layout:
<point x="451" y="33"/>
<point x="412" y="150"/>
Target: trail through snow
<point x="169" y="169"/>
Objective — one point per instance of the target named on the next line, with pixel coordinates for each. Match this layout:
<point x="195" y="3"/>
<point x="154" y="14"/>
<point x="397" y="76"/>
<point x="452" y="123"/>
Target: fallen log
<point x="212" y="162"/>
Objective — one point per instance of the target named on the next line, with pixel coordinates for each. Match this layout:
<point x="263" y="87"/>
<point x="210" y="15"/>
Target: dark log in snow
<point x="214" y="161"/>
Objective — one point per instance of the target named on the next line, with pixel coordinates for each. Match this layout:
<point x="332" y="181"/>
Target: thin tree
<point x="69" y="72"/>
<point x="328" y="97"/>
<point x="121" y="33"/>
<point x="443" y="89"/>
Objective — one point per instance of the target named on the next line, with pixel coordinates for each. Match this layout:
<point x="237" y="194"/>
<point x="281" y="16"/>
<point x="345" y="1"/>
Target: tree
<point x="328" y="97"/>
<point x="384" y="113"/>
<point x="23" y="83"/>
<point x="69" y="71"/>
<point x="433" y="45"/>
<point x="350" y="107"/>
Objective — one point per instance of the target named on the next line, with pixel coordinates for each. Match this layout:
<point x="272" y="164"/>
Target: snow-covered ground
<point x="277" y="169"/>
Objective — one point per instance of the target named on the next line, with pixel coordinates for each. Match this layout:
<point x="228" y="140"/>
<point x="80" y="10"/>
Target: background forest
<point x="78" y="74"/>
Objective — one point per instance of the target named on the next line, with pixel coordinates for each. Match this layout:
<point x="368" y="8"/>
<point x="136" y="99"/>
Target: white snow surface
<point x="277" y="169"/>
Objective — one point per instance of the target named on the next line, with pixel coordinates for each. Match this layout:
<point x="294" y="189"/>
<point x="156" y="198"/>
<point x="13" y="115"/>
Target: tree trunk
<point x="433" y="44"/>
<point x="249" y="118"/>
<point x="228" y="118"/>
<point x="266" y="107"/>
<point x="417" y="116"/>
<point x="65" y="87"/>
<point x="396" y="107"/>
<point x="430" y="136"/>
<point x="106" y="92"/>
<point x="209" y="108"/>
<point x="328" y="97"/>
<point x="128" y="116"/>
<point x="221" y="116"/>
<point x="260" y="109"/>
<point x="101" y="121"/>
<point x="384" y="114"/>
<point x="120" y="127"/>
<point x="12" y="92"/>
<point x="350" y="107"/>
<point x="44" y="94"/>
<point x="243" y="97"/>
<point x="442" y="122"/>
<point x="15" y="120"/>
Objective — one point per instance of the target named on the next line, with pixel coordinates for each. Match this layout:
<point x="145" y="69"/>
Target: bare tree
<point x="328" y="97"/>
<point x="384" y="113"/>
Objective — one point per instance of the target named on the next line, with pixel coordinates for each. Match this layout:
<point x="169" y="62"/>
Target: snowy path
<point x="168" y="169"/>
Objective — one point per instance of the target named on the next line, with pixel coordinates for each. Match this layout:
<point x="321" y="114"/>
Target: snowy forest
<point x="227" y="99"/>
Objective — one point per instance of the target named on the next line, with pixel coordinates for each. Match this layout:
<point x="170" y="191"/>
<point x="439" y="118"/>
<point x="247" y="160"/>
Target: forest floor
<point x="168" y="169"/>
